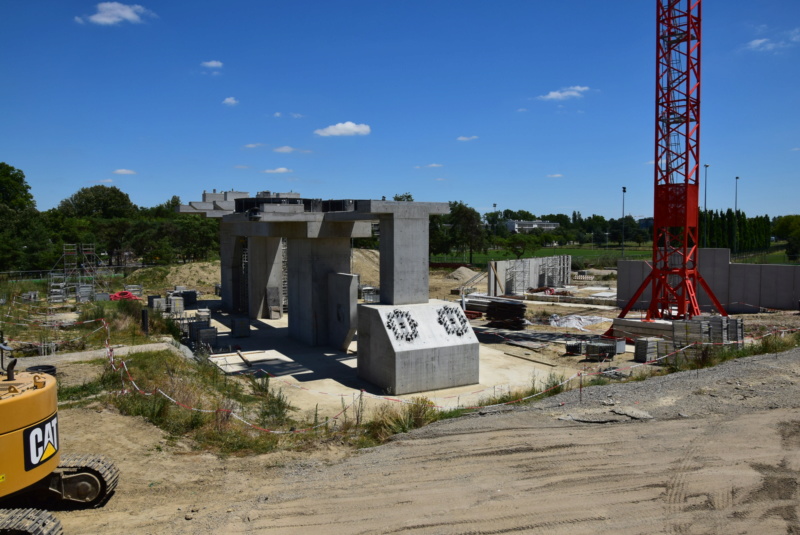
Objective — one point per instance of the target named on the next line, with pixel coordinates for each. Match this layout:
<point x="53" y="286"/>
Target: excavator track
<point x="28" y="522"/>
<point x="97" y="467"/>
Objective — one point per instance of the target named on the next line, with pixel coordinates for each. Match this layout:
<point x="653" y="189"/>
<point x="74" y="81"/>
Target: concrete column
<point x="404" y="259"/>
<point x="227" y="247"/>
<point x="310" y="261"/>
<point x="265" y="266"/>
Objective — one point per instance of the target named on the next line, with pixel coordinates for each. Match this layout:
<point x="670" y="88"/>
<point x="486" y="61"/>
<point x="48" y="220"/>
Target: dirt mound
<point x="462" y="274"/>
<point x="200" y="276"/>
<point x="367" y="264"/>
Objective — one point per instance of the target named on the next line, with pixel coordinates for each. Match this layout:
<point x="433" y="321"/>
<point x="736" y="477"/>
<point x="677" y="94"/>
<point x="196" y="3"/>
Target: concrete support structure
<point x="404" y="255"/>
<point x="415" y="348"/>
<point x="405" y="344"/>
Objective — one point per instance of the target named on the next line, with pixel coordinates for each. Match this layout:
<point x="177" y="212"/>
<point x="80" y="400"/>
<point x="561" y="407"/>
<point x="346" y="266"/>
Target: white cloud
<point x="779" y="40"/>
<point x="230" y="101"/>
<point x="106" y="181"/>
<point x="430" y="165"/>
<point x="522" y="110"/>
<point x="556" y="175"/>
<point x="286" y="149"/>
<point x="763" y="45"/>
<point x="796" y="148"/>
<point x="111" y="13"/>
<point x="241" y="167"/>
<point x="124" y="172"/>
<point x="466" y="138"/>
<point x="253" y="145"/>
<point x="279" y="170"/>
<point x="297" y="115"/>
<point x="213" y="64"/>
<point x="348" y="128"/>
<point x="575" y="91"/>
<point x="276" y="114"/>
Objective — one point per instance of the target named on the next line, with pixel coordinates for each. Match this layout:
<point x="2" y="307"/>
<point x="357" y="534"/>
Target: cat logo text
<point x="41" y="442"/>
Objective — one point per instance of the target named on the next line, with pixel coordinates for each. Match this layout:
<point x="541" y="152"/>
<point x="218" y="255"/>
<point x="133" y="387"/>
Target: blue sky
<point x="537" y="105"/>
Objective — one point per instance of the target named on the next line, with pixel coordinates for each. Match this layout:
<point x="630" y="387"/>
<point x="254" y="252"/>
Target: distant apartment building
<point x="525" y="227"/>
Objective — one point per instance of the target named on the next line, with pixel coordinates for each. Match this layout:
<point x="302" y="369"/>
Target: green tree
<point x="403" y="197"/>
<point x="14" y="190"/>
<point x="105" y="202"/>
<point x="466" y="229"/>
<point x="519" y="244"/>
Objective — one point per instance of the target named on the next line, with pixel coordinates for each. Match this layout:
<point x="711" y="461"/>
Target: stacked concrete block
<point x="207" y="336"/>
<point x="600" y="350"/>
<point x="718" y="329"/>
<point x="736" y="332"/>
<point x="175" y="304"/>
<point x="577" y="347"/>
<point x="135" y="289"/>
<point x="645" y="349"/>
<point x="240" y="328"/>
<point x="688" y="332"/>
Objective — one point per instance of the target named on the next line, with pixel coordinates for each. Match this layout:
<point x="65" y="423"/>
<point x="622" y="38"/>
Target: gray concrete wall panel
<point x="310" y="261"/>
<point x="342" y="303"/>
<point x="777" y="287"/>
<point x="265" y="269"/>
<point x="744" y="289"/>
<point x="713" y="265"/>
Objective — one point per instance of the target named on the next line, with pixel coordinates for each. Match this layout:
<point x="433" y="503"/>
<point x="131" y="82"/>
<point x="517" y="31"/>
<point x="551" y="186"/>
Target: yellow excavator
<point x="34" y="474"/>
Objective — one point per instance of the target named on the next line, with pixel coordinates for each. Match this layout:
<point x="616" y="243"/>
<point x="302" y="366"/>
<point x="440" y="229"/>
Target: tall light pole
<point x="705" y="208"/>
<point x="623" y="220"/>
<point x="736" y="218"/>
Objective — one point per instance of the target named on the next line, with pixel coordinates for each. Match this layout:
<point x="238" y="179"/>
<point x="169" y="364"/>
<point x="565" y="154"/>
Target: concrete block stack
<point x="645" y="349"/>
<point x="736" y="331"/>
<point x="577" y="347"/>
<point x="718" y="329"/>
<point x="506" y="314"/>
<point x="687" y="332"/>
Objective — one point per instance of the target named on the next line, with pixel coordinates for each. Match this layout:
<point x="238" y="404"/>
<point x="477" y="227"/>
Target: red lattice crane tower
<point x="674" y="277"/>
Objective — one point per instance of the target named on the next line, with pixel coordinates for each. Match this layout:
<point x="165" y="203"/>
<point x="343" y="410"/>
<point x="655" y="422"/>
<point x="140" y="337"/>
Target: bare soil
<point x="721" y="454"/>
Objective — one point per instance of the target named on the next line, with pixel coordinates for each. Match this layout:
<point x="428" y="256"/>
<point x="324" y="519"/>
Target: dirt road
<point x="720" y="455"/>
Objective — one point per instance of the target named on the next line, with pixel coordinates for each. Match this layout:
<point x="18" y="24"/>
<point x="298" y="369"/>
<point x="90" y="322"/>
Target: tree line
<point x="100" y="215"/>
<point x="105" y="216"/>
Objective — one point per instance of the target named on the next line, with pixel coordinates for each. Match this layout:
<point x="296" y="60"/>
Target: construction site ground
<point x="719" y="455"/>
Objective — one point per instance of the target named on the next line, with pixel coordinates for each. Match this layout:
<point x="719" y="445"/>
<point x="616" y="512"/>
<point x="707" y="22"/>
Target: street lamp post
<point x="705" y="209"/>
<point x="623" y="220"/>
<point x="736" y="217"/>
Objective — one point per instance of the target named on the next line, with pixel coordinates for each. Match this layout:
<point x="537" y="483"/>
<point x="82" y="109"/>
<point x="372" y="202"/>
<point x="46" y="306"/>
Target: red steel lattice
<point x="674" y="277"/>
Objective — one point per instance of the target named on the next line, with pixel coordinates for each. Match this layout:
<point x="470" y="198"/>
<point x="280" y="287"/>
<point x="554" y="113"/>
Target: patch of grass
<point x="105" y="382"/>
<point x="390" y="419"/>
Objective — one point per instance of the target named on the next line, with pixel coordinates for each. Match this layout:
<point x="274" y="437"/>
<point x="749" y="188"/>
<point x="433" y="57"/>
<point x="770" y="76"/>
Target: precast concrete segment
<point x="310" y="261"/>
<point x="415" y="348"/>
<point x="342" y="309"/>
<point x="266" y="260"/>
<point x="404" y="260"/>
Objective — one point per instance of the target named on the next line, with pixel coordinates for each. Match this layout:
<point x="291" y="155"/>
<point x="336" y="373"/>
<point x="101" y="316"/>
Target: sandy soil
<point x="720" y="456"/>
